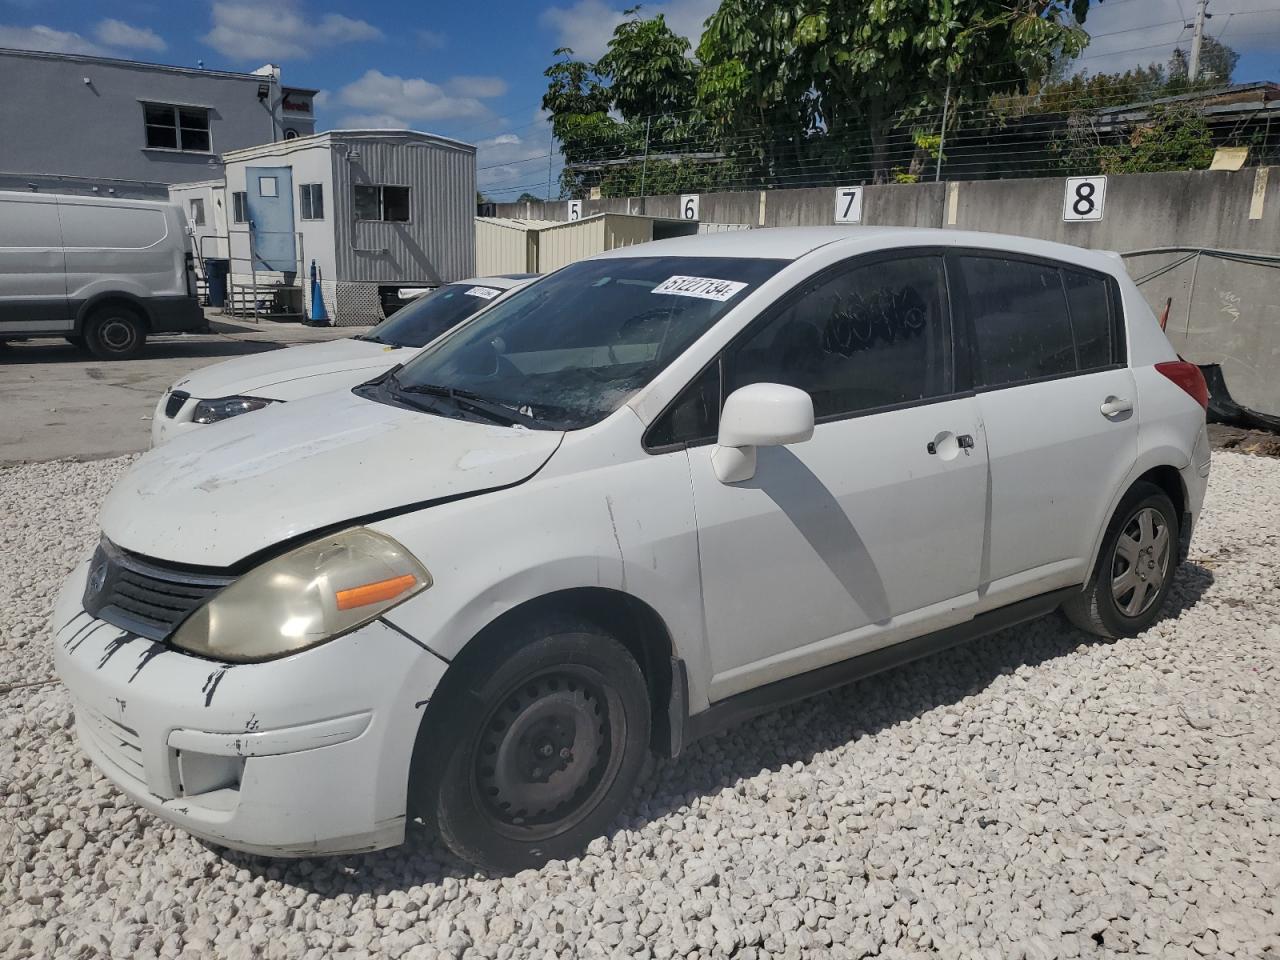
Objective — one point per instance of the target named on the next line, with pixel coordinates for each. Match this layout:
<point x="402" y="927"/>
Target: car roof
<point x="793" y="243"/>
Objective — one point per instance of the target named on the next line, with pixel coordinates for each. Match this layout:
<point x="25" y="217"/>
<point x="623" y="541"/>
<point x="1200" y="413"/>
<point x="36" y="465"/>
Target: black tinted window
<point x="873" y="336"/>
<point x="428" y="316"/>
<point x="694" y="416"/>
<point x="1019" y="315"/>
<point x="1089" y="300"/>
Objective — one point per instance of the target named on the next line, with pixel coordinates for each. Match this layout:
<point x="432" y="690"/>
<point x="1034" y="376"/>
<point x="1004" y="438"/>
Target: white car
<point x="245" y="384"/>
<point x="657" y="492"/>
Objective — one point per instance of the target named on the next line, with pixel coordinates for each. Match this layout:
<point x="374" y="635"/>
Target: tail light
<point x="1189" y="378"/>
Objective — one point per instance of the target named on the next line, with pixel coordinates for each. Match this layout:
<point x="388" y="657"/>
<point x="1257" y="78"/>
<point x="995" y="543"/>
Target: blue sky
<point x="474" y="70"/>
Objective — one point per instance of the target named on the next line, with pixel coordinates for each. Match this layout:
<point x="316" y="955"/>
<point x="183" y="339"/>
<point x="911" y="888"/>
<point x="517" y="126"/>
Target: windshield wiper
<point x="373" y="338"/>
<point x="466" y="400"/>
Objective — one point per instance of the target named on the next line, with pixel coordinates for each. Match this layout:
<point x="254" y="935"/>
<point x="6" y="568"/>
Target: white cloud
<point x="47" y="39"/>
<point x="371" y="121"/>
<point x="508" y="165"/>
<point x="1137" y="34"/>
<point x="587" y="25"/>
<point x="477" y="86"/>
<point x="245" y="30"/>
<point x="431" y="39"/>
<point x="117" y="33"/>
<point x="377" y="95"/>
<point x="321" y="99"/>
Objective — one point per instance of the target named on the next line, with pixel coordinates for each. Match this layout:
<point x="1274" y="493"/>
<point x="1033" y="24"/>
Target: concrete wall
<point x="1224" y="310"/>
<point x="68" y="136"/>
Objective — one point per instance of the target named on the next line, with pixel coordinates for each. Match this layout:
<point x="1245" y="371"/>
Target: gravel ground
<point x="1034" y="794"/>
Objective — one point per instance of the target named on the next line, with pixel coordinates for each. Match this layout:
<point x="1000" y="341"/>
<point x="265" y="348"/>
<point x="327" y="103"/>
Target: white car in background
<point x="657" y="492"/>
<point x="245" y="384"/>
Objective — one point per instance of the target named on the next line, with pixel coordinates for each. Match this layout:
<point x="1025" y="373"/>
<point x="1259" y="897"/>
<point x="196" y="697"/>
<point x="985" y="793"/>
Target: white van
<point x="104" y="273"/>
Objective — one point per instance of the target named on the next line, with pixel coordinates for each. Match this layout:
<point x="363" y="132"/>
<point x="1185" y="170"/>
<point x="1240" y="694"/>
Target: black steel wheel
<point x="541" y="753"/>
<point x="115" y="333"/>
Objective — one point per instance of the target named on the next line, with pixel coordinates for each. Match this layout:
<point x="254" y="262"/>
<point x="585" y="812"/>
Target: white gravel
<point x="1034" y="794"/>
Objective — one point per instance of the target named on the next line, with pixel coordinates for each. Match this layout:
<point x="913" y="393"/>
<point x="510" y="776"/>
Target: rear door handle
<point x="1114" y="406"/>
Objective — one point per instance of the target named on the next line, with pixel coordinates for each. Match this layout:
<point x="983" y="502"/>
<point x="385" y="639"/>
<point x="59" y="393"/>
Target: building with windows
<point x="96" y="125"/>
<point x="377" y="212"/>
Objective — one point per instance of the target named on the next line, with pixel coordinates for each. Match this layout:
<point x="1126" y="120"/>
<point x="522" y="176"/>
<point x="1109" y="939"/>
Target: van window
<point x="29" y="224"/>
<point x="1090" y="303"/>
<point x="115" y="228"/>
<point x="1020" y="323"/>
<point x="873" y="336"/>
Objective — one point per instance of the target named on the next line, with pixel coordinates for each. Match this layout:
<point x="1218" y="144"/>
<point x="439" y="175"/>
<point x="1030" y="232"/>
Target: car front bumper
<point x="300" y="756"/>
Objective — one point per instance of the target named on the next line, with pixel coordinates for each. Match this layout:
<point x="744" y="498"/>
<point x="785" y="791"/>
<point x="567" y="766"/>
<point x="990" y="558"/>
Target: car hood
<point x="256" y="374"/>
<point x="213" y="497"/>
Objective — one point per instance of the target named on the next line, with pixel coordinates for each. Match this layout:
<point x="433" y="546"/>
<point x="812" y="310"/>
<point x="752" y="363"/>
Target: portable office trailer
<point x="204" y="204"/>
<point x="376" y="211"/>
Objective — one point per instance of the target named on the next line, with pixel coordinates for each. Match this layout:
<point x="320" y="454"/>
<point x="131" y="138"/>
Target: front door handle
<point x="1115" y="406"/>
<point x="964" y="442"/>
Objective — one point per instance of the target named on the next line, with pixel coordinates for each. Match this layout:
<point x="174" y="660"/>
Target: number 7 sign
<point x="848" y="204"/>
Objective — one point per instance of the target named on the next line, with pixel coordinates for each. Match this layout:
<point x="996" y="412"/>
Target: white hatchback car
<point x="233" y="387"/>
<point x="657" y="492"/>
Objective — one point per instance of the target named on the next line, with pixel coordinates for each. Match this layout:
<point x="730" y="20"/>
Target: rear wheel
<point x="115" y="333"/>
<point x="1135" y="567"/>
<point x="541" y="751"/>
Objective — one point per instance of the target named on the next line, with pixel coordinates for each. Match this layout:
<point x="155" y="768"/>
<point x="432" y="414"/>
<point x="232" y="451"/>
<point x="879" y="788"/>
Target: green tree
<point x="853" y="68"/>
<point x="528" y="197"/>
<point x="578" y="102"/>
<point x="1217" y="63"/>
<point x="648" y="68"/>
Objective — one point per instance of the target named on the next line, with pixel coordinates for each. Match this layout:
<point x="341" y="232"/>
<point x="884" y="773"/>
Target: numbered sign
<point x="1084" y="199"/>
<point x="575" y="209"/>
<point x="689" y="206"/>
<point x="848" y="204"/>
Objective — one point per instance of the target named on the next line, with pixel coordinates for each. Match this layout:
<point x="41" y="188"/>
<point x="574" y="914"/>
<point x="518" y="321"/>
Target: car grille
<point x="146" y="597"/>
<point x="121" y="744"/>
<point x="175" y="402"/>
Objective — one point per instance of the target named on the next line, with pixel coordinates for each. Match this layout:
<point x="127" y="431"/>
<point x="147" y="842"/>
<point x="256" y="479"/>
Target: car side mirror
<point x="759" y="415"/>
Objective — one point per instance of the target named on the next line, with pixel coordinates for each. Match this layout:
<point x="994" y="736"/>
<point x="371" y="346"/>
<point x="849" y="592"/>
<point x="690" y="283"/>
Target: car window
<point x="1019" y="315"/>
<point x="426" y="317"/>
<point x="573" y="347"/>
<point x="1090" y="303"/>
<point x="873" y="336"/>
<point x="694" y="416"/>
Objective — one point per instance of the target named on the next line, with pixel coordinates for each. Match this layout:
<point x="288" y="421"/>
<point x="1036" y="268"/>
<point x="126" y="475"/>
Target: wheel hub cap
<point x="1141" y="562"/>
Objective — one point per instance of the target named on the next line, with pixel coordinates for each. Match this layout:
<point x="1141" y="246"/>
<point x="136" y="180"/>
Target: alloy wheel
<point x="1140" y="563"/>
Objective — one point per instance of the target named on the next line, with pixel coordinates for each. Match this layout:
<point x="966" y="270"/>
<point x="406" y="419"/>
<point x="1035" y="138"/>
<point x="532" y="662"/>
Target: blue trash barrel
<point x="217" y="269"/>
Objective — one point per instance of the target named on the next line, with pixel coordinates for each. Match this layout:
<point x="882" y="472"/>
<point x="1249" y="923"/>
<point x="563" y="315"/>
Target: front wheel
<point x="1135" y="567"/>
<point x="541" y="752"/>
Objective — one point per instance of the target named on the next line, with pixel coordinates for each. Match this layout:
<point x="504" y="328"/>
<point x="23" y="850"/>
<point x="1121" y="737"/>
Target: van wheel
<point x="542" y="751"/>
<point x="114" y="333"/>
<point x="1135" y="567"/>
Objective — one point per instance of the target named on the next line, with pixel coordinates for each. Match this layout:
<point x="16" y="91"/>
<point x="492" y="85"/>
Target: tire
<point x="1135" y="567"/>
<point x="542" y="750"/>
<point x="115" y="333"/>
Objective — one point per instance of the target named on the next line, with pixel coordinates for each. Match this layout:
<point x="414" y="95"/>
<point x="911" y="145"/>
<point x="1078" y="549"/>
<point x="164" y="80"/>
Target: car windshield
<point x="573" y="347"/>
<point x="428" y="316"/>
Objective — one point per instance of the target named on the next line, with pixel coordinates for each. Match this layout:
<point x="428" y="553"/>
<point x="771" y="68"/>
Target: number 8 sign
<point x="1084" y="199"/>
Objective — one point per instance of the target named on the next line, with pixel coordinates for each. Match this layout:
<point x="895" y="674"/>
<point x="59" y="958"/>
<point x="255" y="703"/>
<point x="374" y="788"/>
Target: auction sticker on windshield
<point x="485" y="293"/>
<point x="705" y="288"/>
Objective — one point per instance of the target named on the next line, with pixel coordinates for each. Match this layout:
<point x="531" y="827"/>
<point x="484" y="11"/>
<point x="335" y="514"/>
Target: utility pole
<point x="644" y="166"/>
<point x="942" y="134"/>
<point x="551" y="156"/>
<point x="1202" y="14"/>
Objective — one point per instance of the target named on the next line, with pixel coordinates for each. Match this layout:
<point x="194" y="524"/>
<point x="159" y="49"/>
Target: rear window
<point x="1020" y="321"/>
<point x="114" y="228"/>
<point x="1089" y="298"/>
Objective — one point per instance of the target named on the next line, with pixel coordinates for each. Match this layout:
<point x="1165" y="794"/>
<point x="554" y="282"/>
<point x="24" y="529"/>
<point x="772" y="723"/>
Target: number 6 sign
<point x="689" y="206"/>
<point x="1084" y="198"/>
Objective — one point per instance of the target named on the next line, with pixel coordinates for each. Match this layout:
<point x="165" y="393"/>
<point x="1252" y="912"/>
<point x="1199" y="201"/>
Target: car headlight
<point x="224" y="408"/>
<point x="304" y="597"/>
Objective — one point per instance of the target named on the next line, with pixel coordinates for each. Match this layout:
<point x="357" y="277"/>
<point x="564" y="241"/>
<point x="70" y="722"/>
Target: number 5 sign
<point x="1084" y="199"/>
<point x="848" y="204"/>
<point x="575" y="209"/>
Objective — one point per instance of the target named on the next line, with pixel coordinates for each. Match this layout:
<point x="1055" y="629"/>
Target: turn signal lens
<point x="375" y="592"/>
